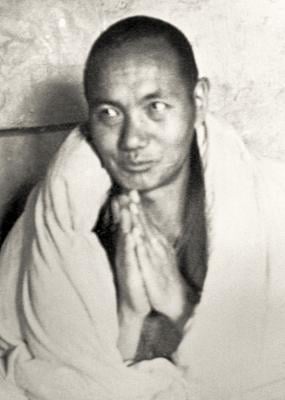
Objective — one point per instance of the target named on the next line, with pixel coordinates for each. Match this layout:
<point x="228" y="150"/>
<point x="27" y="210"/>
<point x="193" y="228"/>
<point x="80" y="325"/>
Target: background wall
<point x="239" y="45"/>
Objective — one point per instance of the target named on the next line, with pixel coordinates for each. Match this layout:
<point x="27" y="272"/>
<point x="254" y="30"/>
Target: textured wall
<point x="239" y="44"/>
<point x="23" y="161"/>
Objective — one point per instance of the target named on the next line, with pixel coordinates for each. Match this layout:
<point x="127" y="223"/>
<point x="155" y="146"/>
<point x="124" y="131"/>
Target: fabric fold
<point x="67" y="299"/>
<point x="58" y="311"/>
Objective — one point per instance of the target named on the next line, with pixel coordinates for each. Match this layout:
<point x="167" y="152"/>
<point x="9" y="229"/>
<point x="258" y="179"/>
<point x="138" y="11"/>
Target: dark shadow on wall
<point x="14" y="209"/>
<point x="59" y="107"/>
<point x="20" y="175"/>
<point x="59" y="102"/>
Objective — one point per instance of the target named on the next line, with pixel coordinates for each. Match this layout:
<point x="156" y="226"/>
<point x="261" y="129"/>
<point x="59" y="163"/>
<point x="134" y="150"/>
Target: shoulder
<point x="75" y="152"/>
<point x="77" y="163"/>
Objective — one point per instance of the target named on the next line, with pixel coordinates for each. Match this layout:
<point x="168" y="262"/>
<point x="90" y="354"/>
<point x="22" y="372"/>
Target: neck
<point x="166" y="205"/>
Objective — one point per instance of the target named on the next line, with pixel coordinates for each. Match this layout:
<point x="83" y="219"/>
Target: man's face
<point x="141" y="115"/>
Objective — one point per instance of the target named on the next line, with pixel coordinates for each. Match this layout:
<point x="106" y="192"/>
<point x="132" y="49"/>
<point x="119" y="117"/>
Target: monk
<point x="145" y="98"/>
<point x="149" y="262"/>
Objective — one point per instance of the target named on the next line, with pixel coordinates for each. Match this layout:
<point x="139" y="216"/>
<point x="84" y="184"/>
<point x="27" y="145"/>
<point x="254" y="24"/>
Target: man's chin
<point x="142" y="187"/>
<point x="138" y="187"/>
<point x="134" y="184"/>
<point x="143" y="182"/>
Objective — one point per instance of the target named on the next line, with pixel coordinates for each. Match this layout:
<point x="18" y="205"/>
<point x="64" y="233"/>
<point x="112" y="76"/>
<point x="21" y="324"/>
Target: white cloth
<point x="59" y="325"/>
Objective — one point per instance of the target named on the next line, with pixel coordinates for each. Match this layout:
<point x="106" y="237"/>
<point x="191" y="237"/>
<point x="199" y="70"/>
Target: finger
<point x="133" y="207"/>
<point x="145" y="266"/>
<point x="125" y="221"/>
<point x="146" y="257"/>
<point x="126" y="248"/>
<point x="134" y="211"/>
<point x="151" y="235"/>
<point x="150" y="256"/>
<point x="130" y="245"/>
<point x="115" y="207"/>
<point x="134" y="196"/>
<point x="136" y="223"/>
<point x="159" y="251"/>
<point x="154" y="239"/>
<point x="123" y="200"/>
<point x="157" y="237"/>
<point x="132" y="265"/>
<point x="138" y="217"/>
<point x="137" y="235"/>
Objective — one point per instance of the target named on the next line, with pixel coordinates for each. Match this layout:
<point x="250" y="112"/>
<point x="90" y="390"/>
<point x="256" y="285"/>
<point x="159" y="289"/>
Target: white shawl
<point x="59" y="324"/>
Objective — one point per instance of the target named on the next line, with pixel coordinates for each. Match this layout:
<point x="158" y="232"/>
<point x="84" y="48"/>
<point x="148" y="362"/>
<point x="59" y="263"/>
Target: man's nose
<point x="133" y="135"/>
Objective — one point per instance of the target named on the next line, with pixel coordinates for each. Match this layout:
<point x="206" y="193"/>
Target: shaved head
<point x="142" y="29"/>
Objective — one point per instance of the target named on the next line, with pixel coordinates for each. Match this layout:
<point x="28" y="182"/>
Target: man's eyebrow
<point x="98" y="101"/>
<point x="154" y="95"/>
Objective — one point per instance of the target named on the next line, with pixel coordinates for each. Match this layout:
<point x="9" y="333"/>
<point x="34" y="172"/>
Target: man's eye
<point x="157" y="109"/>
<point x="158" y="106"/>
<point x="109" y="114"/>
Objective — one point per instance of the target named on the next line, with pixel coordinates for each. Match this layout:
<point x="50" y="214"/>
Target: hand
<point x="132" y="293"/>
<point x="165" y="287"/>
<point x="133" y="302"/>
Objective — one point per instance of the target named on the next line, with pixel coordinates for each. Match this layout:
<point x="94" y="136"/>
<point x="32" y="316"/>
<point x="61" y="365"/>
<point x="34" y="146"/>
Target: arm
<point x="130" y="333"/>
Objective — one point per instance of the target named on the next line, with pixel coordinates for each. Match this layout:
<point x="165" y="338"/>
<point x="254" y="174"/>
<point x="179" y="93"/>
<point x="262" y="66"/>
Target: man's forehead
<point x="133" y="87"/>
<point x="144" y="44"/>
<point x="135" y="63"/>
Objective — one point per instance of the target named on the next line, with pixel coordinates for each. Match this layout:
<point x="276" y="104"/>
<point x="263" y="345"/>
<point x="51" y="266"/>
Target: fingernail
<point x="133" y="208"/>
<point x="134" y="196"/>
<point x="123" y="200"/>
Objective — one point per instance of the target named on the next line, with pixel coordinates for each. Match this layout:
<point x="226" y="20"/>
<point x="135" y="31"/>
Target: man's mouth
<point x="138" y="166"/>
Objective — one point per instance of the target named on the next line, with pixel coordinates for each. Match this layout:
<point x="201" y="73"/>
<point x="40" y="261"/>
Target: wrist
<point x="128" y="315"/>
<point x="131" y="325"/>
<point x="181" y="309"/>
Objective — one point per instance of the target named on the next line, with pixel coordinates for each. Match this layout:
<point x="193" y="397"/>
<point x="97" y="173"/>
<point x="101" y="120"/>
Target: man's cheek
<point x="104" y="147"/>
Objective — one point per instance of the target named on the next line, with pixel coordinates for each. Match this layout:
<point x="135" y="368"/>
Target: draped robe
<point x="58" y="311"/>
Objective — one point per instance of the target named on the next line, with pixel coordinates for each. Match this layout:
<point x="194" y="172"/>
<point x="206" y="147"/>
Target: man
<point x="144" y="101"/>
<point x="103" y="289"/>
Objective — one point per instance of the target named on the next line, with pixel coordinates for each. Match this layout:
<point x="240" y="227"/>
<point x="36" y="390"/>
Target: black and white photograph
<point x="142" y="200"/>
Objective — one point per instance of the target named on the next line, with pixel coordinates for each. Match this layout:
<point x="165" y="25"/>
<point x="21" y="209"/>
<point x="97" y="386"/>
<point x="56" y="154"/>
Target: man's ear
<point x="200" y="96"/>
